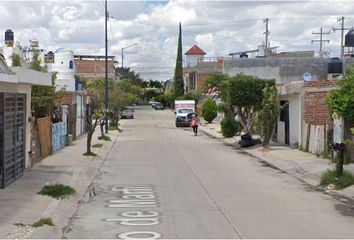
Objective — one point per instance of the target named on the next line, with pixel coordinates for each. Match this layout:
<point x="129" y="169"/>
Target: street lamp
<point x="126" y="48"/>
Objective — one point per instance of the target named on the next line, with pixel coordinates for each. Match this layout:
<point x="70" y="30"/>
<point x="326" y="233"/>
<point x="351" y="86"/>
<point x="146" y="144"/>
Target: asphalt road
<point x="163" y="182"/>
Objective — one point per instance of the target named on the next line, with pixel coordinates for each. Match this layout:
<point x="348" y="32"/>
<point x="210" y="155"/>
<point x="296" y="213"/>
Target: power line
<point x="321" y="33"/>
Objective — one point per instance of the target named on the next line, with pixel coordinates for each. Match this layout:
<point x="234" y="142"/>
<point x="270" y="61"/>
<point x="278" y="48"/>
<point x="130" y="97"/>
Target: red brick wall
<point x="316" y="111"/>
<point x="93" y="67"/>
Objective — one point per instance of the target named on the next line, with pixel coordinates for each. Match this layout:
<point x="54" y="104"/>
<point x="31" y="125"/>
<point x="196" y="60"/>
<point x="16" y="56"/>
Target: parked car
<point x="159" y="106"/>
<point x="184" y="117"/>
<point x="127" y="113"/>
<point x="130" y="107"/>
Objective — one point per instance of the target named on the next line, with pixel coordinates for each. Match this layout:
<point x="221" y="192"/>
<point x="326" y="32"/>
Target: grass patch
<point x="58" y="191"/>
<point x="104" y="138"/>
<point x="98" y="145"/>
<point x="42" y="222"/>
<point x="325" y="154"/>
<point x="90" y="154"/>
<point x="330" y="177"/>
<point x="113" y="128"/>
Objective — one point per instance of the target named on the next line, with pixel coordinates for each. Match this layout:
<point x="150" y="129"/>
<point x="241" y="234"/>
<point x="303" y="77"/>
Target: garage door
<point x="12" y="132"/>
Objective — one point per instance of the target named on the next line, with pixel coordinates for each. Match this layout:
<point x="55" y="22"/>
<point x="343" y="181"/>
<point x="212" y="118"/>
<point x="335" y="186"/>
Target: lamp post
<point x="123" y="51"/>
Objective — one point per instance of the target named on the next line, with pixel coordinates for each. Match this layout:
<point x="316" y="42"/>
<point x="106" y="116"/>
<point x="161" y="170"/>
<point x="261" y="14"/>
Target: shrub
<point x="343" y="181"/>
<point x="230" y="126"/>
<point x="58" y="191"/>
<point x="98" y="145"/>
<point x="209" y="110"/>
<point x="42" y="222"/>
<point x="104" y="138"/>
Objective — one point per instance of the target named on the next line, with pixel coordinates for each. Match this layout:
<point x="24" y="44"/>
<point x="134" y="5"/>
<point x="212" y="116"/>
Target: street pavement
<point x="305" y="166"/>
<point x="156" y="181"/>
<point x="162" y="182"/>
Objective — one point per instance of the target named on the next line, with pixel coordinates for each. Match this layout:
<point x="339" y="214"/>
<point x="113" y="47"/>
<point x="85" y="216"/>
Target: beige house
<point x="15" y="119"/>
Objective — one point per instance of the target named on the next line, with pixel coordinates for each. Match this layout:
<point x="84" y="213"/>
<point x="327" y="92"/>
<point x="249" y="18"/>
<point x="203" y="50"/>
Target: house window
<point x="71" y="65"/>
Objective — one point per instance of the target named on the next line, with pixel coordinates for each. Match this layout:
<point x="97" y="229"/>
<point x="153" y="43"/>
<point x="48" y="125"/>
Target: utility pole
<point x="266" y="21"/>
<point x="321" y="40"/>
<point x="106" y="68"/>
<point x="341" y="19"/>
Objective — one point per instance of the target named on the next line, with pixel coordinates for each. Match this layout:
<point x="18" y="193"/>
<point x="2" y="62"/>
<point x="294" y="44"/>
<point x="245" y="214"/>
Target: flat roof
<point x="92" y="56"/>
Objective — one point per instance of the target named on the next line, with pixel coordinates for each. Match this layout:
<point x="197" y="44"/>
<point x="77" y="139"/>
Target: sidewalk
<point x="20" y="203"/>
<point x="304" y="166"/>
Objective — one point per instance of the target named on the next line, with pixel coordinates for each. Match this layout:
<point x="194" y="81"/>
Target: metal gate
<point x="12" y="133"/>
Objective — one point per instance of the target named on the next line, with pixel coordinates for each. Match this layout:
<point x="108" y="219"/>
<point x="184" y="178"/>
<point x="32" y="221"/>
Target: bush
<point x="104" y="138"/>
<point x="230" y="126"/>
<point x="209" y="110"/>
<point x="42" y="222"/>
<point x="58" y="191"/>
<point x="343" y="181"/>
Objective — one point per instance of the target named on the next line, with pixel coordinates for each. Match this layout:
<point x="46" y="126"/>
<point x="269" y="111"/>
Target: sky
<point x="217" y="27"/>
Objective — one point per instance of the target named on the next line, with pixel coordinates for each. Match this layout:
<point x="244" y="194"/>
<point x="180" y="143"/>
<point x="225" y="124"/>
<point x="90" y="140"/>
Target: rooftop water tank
<point x="335" y="66"/>
<point x="349" y="39"/>
<point x="9" y="38"/>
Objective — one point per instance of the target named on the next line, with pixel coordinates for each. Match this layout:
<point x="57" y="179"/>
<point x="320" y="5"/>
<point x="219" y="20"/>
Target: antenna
<point x="320" y="40"/>
<point x="267" y="33"/>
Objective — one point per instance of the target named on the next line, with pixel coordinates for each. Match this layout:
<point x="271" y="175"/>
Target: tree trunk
<point x="339" y="148"/>
<point x="89" y="139"/>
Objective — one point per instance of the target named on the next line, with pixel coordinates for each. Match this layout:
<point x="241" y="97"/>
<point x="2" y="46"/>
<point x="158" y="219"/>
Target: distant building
<point x="62" y="62"/>
<point x="198" y="68"/>
<point x="93" y="66"/>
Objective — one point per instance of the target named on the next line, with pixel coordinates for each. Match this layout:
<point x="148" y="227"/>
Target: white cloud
<point x="217" y="27"/>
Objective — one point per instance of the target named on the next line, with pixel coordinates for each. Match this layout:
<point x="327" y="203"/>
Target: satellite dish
<point x="307" y="76"/>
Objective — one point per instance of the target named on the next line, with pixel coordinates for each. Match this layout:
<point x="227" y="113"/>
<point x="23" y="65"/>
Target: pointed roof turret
<point x="195" y="50"/>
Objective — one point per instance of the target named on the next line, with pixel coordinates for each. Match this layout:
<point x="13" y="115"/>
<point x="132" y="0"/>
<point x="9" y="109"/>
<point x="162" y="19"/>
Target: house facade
<point x="15" y="119"/>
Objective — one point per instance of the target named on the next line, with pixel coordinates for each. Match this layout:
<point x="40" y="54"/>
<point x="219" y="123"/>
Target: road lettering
<point x="136" y="197"/>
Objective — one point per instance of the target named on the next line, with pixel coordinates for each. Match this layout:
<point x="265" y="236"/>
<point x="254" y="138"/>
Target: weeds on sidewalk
<point x="90" y="154"/>
<point x="343" y="181"/>
<point x="42" y="222"/>
<point x="104" y="138"/>
<point x="98" y="145"/>
<point x="58" y="191"/>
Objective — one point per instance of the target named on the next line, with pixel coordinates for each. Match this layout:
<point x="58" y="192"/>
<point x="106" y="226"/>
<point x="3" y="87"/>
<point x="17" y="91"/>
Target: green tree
<point x="269" y="113"/>
<point x="16" y="60"/>
<point x="221" y="82"/>
<point x="246" y="94"/>
<point x="341" y="99"/>
<point x="209" y="110"/>
<point x="93" y="117"/>
<point x="127" y="74"/>
<point x="178" y="76"/>
<point x="155" y="84"/>
<point x="120" y="93"/>
<point x="44" y="98"/>
<point x="341" y="102"/>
